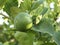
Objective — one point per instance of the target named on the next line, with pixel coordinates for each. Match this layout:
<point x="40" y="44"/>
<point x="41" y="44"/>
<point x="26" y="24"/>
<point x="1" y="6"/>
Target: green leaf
<point x="36" y="4"/>
<point x="6" y="43"/>
<point x="44" y="26"/>
<point x="9" y="4"/>
<point x="56" y="37"/>
<point x="58" y="26"/>
<point x="38" y="43"/>
<point x="44" y="10"/>
<point x="26" y="5"/>
<point x="14" y="11"/>
<point x="2" y="2"/>
<point x="24" y="38"/>
<point x="37" y="11"/>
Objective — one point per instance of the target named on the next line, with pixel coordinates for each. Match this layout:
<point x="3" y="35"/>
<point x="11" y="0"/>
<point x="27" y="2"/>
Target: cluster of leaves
<point x="45" y="29"/>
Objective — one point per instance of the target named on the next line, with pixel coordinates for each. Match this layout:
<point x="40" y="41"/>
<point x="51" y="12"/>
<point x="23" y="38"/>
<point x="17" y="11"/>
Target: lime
<point x="23" y="21"/>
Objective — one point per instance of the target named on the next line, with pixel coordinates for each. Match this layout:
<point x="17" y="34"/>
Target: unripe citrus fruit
<point x="23" y="21"/>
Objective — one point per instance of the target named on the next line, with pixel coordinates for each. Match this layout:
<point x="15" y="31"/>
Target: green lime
<point x="23" y="21"/>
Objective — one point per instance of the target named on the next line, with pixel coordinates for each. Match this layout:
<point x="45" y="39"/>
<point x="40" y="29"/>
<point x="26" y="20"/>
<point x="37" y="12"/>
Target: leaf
<point x="14" y="11"/>
<point x="38" y="43"/>
<point x="58" y="26"/>
<point x="6" y="43"/>
<point x="36" y="4"/>
<point x="37" y="11"/>
<point x="24" y="38"/>
<point x="44" y="26"/>
<point x="56" y="37"/>
<point x="2" y="2"/>
<point x="9" y="4"/>
<point x="44" y="10"/>
<point x="26" y="5"/>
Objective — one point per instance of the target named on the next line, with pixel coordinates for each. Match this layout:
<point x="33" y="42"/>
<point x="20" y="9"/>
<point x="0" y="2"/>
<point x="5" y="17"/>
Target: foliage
<point x="44" y="15"/>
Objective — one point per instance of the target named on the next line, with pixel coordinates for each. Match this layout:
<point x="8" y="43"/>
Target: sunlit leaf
<point x="2" y="2"/>
<point x="36" y="4"/>
<point x="44" y="10"/>
<point x="26" y="5"/>
<point x="37" y="11"/>
<point x="6" y="43"/>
